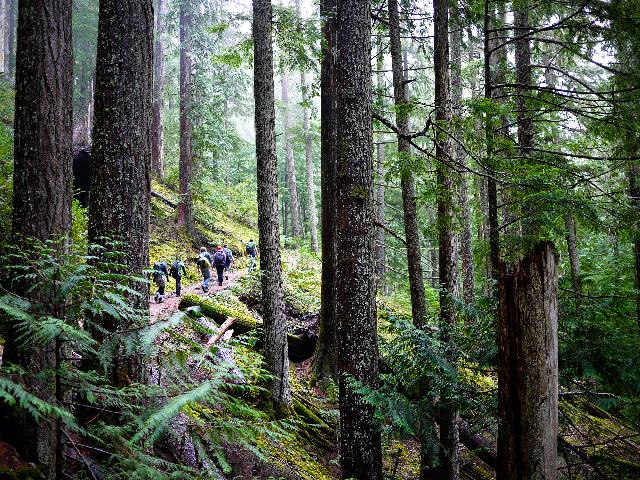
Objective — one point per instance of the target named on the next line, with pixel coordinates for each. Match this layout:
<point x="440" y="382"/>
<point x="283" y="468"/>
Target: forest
<point x="318" y="240"/>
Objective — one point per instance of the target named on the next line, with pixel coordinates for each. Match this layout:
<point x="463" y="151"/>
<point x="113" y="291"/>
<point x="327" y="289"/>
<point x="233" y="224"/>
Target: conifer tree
<point x="121" y="161"/>
<point x="361" y="456"/>
<point x="275" y="345"/>
<point x="42" y="191"/>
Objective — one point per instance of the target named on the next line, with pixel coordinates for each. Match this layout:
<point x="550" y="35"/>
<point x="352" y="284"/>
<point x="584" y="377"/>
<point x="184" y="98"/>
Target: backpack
<point x="203" y="261"/>
<point x="158" y="270"/>
<point x="220" y="258"/>
<point x="176" y="269"/>
<point x="251" y="248"/>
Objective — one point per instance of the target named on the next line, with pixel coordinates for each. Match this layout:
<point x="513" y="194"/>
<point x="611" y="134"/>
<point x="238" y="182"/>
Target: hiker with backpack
<point x="160" y="275"/>
<point x="220" y="261"/>
<point x="229" y="255"/>
<point x="252" y="251"/>
<point x="204" y="262"/>
<point x="177" y="270"/>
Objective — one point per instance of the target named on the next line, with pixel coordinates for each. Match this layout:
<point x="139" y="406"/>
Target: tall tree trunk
<point x="569" y="220"/>
<point x="157" y="125"/>
<point x="275" y="326"/>
<point x="574" y="255"/>
<point x="121" y="155"/>
<point x="325" y="361"/>
<point x="3" y="28"/>
<point x="42" y="189"/>
<point x="528" y="368"/>
<point x="633" y="175"/>
<point x="380" y="244"/>
<point x="460" y="156"/>
<point x="521" y="28"/>
<point x="308" y="153"/>
<point x="407" y="179"/>
<point x="292" y="183"/>
<point x="491" y="71"/>
<point x="9" y="39"/>
<point x="185" y="206"/>
<point x="448" y="461"/>
<point x="361" y="453"/>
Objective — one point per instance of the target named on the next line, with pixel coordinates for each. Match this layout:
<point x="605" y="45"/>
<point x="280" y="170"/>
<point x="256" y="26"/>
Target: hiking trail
<point x="161" y="311"/>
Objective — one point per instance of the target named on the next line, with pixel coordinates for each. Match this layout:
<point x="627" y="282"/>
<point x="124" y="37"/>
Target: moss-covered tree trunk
<point x="448" y="456"/>
<point x="157" y="125"/>
<point x="407" y="179"/>
<point x="528" y="367"/>
<point x="325" y="358"/>
<point x="185" y="206"/>
<point x="275" y="336"/>
<point x="42" y="190"/>
<point x="121" y="156"/>
<point x="361" y="456"/>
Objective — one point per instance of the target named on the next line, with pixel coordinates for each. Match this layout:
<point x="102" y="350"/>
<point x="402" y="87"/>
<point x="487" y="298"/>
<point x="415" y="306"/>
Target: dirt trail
<point x="159" y="311"/>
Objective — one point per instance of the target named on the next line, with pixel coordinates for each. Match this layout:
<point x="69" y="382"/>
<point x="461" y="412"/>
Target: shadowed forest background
<point x="445" y="199"/>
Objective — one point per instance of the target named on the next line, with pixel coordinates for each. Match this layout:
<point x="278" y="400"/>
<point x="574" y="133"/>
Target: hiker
<point x="160" y="274"/>
<point x="252" y="251"/>
<point x="177" y="270"/>
<point x="220" y="261"/>
<point x="204" y="261"/>
<point x="229" y="254"/>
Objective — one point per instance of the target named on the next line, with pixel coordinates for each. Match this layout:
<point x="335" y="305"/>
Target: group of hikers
<point x="222" y="260"/>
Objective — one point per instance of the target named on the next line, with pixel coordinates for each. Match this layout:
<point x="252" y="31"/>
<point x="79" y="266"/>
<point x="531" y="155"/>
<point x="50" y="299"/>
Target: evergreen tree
<point x="360" y="448"/>
<point x="121" y="162"/>
<point x="42" y="180"/>
<point x="275" y="347"/>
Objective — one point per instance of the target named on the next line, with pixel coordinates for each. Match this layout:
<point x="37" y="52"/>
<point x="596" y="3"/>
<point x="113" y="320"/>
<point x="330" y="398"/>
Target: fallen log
<point x="301" y="347"/>
<point x="164" y="200"/>
<point x="477" y="444"/>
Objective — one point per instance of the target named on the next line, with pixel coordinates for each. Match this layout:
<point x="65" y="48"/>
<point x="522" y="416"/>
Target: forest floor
<point x="161" y="311"/>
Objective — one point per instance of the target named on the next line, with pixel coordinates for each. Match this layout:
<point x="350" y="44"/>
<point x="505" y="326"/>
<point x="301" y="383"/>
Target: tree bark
<point x="407" y="179"/>
<point x="380" y="253"/>
<point x="466" y="254"/>
<point x="9" y="39"/>
<point x="3" y="37"/>
<point x="633" y="175"/>
<point x="361" y="455"/>
<point x="492" y="71"/>
<point x="523" y="75"/>
<point x="325" y="360"/>
<point x="448" y="467"/>
<point x="528" y="367"/>
<point x="308" y="152"/>
<point x="292" y="183"/>
<point x="185" y="207"/>
<point x="157" y="125"/>
<point x="574" y="255"/>
<point x="121" y="155"/>
<point x="267" y="169"/>
<point x="42" y="189"/>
